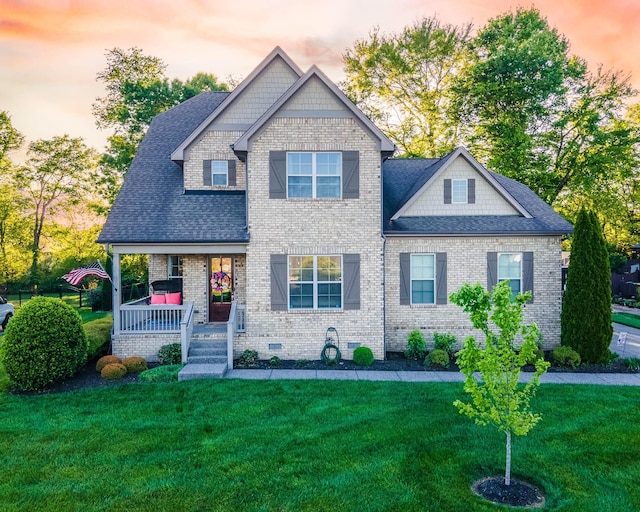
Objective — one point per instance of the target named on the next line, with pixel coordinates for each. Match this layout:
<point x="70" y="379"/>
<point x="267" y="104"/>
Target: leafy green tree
<point x="137" y="90"/>
<point x="538" y="115"/>
<point x="10" y="139"/>
<point x="403" y="83"/>
<point x="497" y="397"/>
<point x="54" y="178"/>
<point x="586" y="312"/>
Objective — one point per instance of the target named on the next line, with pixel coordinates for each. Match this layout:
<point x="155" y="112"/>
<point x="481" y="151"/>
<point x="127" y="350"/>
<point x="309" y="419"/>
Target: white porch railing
<point x="186" y="330"/>
<point x="140" y="317"/>
<point x="231" y="331"/>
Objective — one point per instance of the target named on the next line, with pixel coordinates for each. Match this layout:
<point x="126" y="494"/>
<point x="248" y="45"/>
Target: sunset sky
<point x="51" y="50"/>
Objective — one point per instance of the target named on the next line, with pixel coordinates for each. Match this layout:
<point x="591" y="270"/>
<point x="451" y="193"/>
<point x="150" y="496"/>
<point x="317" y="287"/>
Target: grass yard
<point x="240" y="445"/>
<point x="628" y="319"/>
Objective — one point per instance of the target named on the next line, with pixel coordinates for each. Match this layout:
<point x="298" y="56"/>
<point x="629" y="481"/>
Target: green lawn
<point x="233" y="445"/>
<point x="628" y="319"/>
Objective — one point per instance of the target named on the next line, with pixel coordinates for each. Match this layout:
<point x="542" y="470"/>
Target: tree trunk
<point x="507" y="471"/>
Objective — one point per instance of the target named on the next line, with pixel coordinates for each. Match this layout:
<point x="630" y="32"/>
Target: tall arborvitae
<point x="586" y="313"/>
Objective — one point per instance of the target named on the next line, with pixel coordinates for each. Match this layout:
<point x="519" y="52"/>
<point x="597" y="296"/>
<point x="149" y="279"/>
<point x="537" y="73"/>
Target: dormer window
<point x="219" y="173"/>
<point x="459" y="191"/>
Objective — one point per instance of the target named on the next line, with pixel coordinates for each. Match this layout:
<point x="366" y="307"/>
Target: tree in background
<point x="403" y="82"/>
<point x="137" y="90"/>
<point x="586" y="312"/>
<point x="54" y="178"/>
<point x="497" y="397"/>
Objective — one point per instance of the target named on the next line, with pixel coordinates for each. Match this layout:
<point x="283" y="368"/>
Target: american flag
<point x="94" y="269"/>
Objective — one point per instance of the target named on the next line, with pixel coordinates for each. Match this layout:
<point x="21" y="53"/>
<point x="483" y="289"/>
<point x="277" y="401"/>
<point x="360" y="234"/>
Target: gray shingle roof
<point x="152" y="206"/>
<point x="402" y="178"/>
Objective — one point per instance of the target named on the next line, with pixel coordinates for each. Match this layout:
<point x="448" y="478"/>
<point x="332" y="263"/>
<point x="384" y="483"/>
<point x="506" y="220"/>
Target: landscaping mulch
<point x="517" y="494"/>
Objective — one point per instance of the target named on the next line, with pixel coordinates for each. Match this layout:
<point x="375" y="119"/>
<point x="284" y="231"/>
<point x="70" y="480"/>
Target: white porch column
<point x="117" y="292"/>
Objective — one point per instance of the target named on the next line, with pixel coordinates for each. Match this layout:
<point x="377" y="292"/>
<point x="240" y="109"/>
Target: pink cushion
<point x="174" y="298"/>
<point x="158" y="298"/>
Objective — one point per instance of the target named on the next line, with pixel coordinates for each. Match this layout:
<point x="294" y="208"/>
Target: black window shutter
<point x="405" y="278"/>
<point x="279" y="295"/>
<point x="441" y="278"/>
<point x="206" y="173"/>
<point x="527" y="273"/>
<point x="471" y="191"/>
<point x="277" y="174"/>
<point x="350" y="175"/>
<point x="447" y="191"/>
<point x="351" y="273"/>
<point x="231" y="173"/>
<point x="492" y="270"/>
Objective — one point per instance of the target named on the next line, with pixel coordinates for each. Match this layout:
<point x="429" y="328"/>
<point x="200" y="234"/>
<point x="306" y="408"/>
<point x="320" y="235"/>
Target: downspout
<point x="384" y="265"/>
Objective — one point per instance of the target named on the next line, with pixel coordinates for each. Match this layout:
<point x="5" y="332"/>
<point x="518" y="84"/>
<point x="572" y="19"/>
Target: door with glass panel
<point x="220" y="288"/>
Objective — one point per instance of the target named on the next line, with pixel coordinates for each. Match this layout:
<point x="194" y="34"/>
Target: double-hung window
<point x="510" y="269"/>
<point x="315" y="282"/>
<point x="175" y="267"/>
<point x="423" y="278"/>
<point x="219" y="173"/>
<point x="459" y="190"/>
<point x="314" y="175"/>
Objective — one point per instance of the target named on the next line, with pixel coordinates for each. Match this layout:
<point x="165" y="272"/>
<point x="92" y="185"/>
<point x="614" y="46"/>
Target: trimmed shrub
<point x="166" y="373"/>
<point x="44" y="343"/>
<point x="275" y="362"/>
<point x="416" y="346"/>
<point x="170" y="354"/>
<point x="363" y="356"/>
<point x="437" y="357"/>
<point x="566" y="357"/>
<point x="249" y="358"/>
<point x="98" y="334"/>
<point x="444" y="342"/>
<point x="135" y="364"/>
<point x="113" y="371"/>
<point x="105" y="360"/>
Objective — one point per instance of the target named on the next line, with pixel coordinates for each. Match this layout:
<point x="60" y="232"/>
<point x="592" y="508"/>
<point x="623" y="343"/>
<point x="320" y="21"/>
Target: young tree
<point x="54" y="178"/>
<point x="497" y="397"/>
<point x="586" y="311"/>
<point x="403" y="83"/>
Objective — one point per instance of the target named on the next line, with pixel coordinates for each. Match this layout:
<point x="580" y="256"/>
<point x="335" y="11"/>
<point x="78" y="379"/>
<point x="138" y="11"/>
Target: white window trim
<point x="214" y="174"/>
<point x="466" y="191"/>
<point x="180" y="266"/>
<point x="314" y="175"/>
<point x="411" y="278"/>
<point x="315" y="282"/>
<point x="499" y="278"/>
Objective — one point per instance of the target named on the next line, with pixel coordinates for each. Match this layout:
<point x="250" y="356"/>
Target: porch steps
<point x="207" y="358"/>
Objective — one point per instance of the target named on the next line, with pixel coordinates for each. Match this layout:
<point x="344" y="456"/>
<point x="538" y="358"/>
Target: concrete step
<point x="208" y="344"/>
<point x="207" y="351"/>
<point x="202" y="371"/>
<point x="207" y="359"/>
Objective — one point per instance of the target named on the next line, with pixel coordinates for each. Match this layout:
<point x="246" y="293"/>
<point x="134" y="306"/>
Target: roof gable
<point x="424" y="191"/>
<point x="249" y="100"/>
<point x="315" y="78"/>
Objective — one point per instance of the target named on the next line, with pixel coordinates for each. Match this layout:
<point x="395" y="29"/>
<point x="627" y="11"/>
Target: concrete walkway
<point x="608" y="379"/>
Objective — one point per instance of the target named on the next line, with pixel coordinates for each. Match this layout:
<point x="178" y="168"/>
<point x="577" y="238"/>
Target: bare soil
<point x="517" y="494"/>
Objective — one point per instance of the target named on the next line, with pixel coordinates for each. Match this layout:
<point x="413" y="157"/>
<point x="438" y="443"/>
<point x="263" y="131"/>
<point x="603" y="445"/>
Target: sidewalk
<point x="608" y="379"/>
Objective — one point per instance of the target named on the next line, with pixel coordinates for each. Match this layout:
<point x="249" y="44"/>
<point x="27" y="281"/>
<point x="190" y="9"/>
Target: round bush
<point x="437" y="357"/>
<point x="170" y="354"/>
<point x="135" y="364"/>
<point x="44" y="343"/>
<point x="113" y="371"/>
<point x="249" y="358"/>
<point x="98" y="335"/>
<point x="566" y="357"/>
<point x="363" y="356"/>
<point x="105" y="360"/>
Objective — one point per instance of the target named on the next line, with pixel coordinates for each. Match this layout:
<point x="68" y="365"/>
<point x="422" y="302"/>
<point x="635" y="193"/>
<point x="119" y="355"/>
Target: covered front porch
<point x="210" y="302"/>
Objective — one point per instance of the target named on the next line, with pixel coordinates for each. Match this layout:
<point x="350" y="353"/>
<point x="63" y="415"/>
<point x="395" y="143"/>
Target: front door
<point x="220" y="288"/>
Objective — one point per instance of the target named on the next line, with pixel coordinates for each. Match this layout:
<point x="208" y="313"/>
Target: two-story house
<point x="277" y="210"/>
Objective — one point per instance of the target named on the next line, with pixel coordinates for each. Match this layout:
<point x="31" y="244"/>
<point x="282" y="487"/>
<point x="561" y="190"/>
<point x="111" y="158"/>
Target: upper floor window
<point x="314" y="175"/>
<point x="315" y="282"/>
<point x="510" y="269"/>
<point x="219" y="173"/>
<point x="459" y="191"/>
<point x="423" y="278"/>
<point x="175" y="267"/>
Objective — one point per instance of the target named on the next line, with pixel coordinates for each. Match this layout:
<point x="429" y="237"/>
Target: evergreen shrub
<point x="416" y="346"/>
<point x="363" y="356"/>
<point x="113" y="371"/>
<point x="437" y="357"/>
<point x="135" y="364"/>
<point x="170" y="354"/>
<point x="44" y="343"/>
<point x="98" y="334"/>
<point x="566" y="357"/>
<point x="105" y="360"/>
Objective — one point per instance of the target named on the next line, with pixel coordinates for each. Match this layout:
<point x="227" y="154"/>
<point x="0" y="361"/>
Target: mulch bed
<point x="517" y="494"/>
